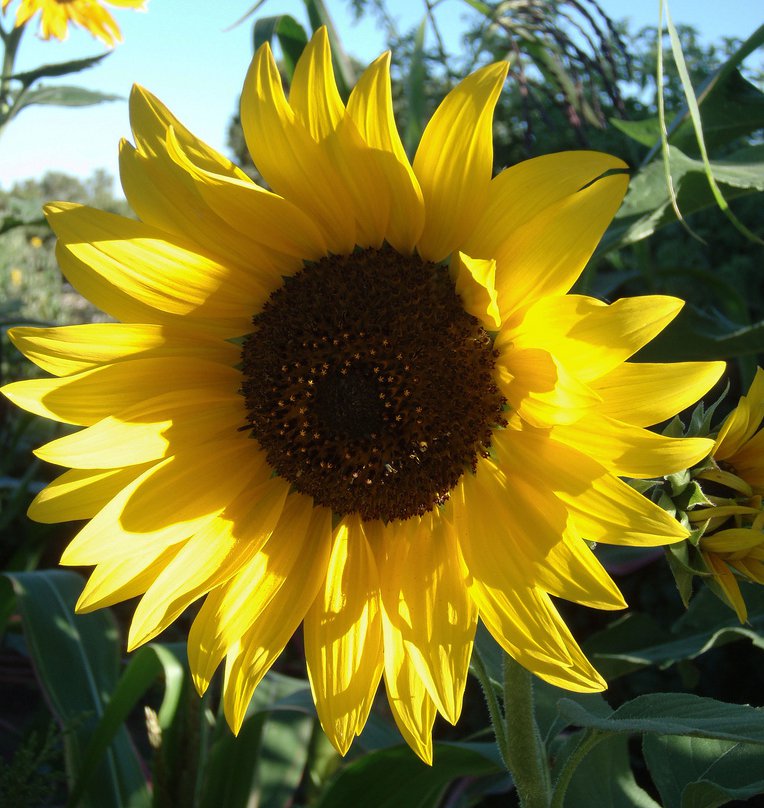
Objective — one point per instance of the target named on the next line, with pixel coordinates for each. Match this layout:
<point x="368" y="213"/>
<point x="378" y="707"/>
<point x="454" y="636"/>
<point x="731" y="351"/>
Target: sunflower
<point x="362" y="402"/>
<point x="733" y="523"/>
<point x="56" y="15"/>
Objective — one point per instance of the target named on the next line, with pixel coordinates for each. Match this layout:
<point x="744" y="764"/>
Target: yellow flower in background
<point x="733" y="538"/>
<point x="362" y="402"/>
<point x="57" y="15"/>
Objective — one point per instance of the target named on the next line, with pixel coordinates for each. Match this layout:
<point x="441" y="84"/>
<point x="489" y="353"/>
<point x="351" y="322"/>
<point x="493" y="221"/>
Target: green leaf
<point x="697" y="125"/>
<point x="604" y="778"/>
<point x="235" y="772"/>
<point x="415" y="95"/>
<point x="291" y="36"/>
<point x="696" y="335"/>
<point x="58" y="69"/>
<point x="646" y="131"/>
<point x="283" y="756"/>
<point x="702" y="772"/>
<point x="647" y="206"/>
<point x="675" y="714"/>
<point x="76" y="659"/>
<point x="145" y="667"/>
<point x="63" y="95"/>
<point x="636" y="640"/>
<point x="732" y="108"/>
<point x="396" y="778"/>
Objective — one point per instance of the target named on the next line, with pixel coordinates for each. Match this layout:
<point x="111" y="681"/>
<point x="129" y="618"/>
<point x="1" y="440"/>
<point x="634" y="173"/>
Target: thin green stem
<point x="527" y="757"/>
<point x="494" y="709"/>
<point x="589" y="739"/>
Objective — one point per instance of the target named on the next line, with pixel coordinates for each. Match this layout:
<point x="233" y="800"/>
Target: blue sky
<point x="182" y="52"/>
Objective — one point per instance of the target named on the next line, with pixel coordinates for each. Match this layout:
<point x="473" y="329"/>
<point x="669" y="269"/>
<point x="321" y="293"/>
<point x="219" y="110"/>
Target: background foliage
<point x="83" y="724"/>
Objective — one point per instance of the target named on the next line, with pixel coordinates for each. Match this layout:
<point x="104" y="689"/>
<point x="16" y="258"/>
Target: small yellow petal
<point x="343" y="637"/>
<point x="70" y="349"/>
<point x="250" y="659"/>
<point x="476" y="286"/>
<point x="232" y="609"/>
<point x="643" y="394"/>
<point x="588" y="337"/>
<point x="210" y="558"/>
<point x="80" y="493"/>
<point x="531" y="266"/>
<point x="455" y="159"/>
<point x="630" y="451"/>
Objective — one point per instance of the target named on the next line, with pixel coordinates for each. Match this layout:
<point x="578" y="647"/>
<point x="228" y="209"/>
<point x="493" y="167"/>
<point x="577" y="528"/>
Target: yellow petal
<point x="454" y="161"/>
<point x="72" y="348"/>
<point x="643" y="394"/>
<point x="80" y="493"/>
<point x="292" y="163"/>
<point x="279" y="619"/>
<point x="125" y="577"/>
<point x="515" y="535"/>
<point x="603" y="507"/>
<point x="148" y="431"/>
<point x="528" y="627"/>
<point x="314" y="96"/>
<point x="87" y="397"/>
<point x="170" y="501"/>
<point x="545" y="255"/>
<point x="476" y="286"/>
<point x="630" y="451"/>
<point x="151" y="120"/>
<point x="591" y="338"/>
<point x="230" y="610"/>
<point x="540" y="389"/>
<point x="370" y="106"/>
<point x="729" y="586"/>
<point x="143" y="263"/>
<point x="743" y="421"/>
<point x="271" y="227"/>
<point x="343" y="637"/>
<point x="209" y="558"/>
<point x="164" y="194"/>
<point x="412" y="708"/>
<point x="521" y="192"/>
<point x="427" y="607"/>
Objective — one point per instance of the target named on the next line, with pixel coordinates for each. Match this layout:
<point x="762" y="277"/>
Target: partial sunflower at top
<point x="362" y="402"/>
<point x="57" y="15"/>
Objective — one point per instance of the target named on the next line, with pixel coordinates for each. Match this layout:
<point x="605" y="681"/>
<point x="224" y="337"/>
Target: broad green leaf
<point x="58" y="69"/>
<point x="396" y="778"/>
<point x="697" y="125"/>
<point x="290" y="34"/>
<point x="235" y="772"/>
<point x="702" y="772"/>
<point x="76" y="659"/>
<point x="604" y="778"/>
<point x="66" y="96"/>
<point x="636" y="640"/>
<point x="645" y="131"/>
<point x="695" y="335"/>
<point x="647" y="206"/>
<point x="730" y="109"/>
<point x="675" y="714"/>
<point x="144" y="668"/>
<point x="283" y="756"/>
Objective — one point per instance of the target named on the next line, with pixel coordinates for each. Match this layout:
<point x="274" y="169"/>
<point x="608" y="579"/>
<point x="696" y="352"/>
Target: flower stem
<point x="494" y="709"/>
<point x="526" y="754"/>
<point x="589" y="739"/>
